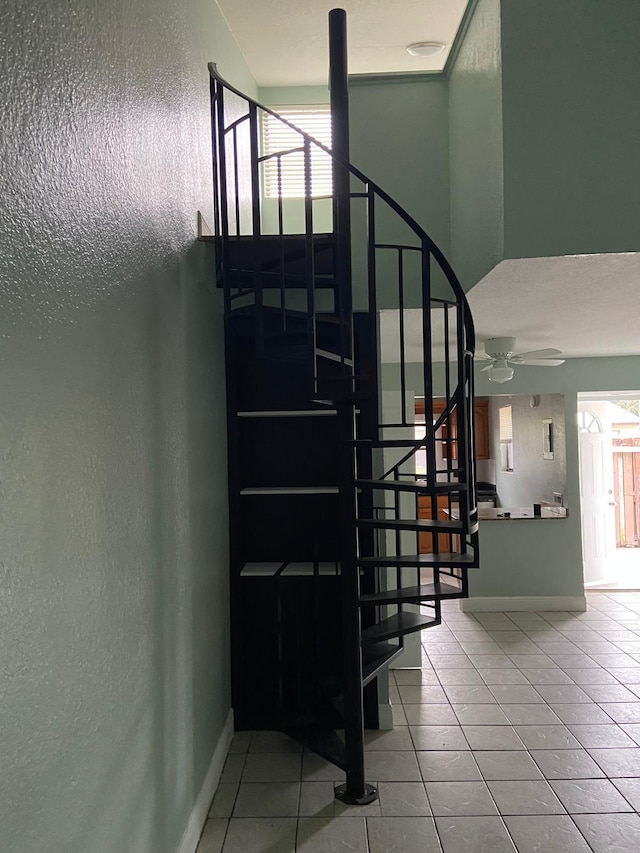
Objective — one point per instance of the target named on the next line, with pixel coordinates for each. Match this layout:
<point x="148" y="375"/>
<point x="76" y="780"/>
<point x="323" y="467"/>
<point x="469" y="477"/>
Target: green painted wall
<point x="571" y="89"/>
<point x="544" y="127"/>
<point x="475" y="130"/>
<point x="400" y="139"/>
<point x="279" y="96"/>
<point x="113" y="594"/>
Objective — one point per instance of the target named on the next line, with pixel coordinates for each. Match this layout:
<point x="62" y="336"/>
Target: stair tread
<point x="274" y="260"/>
<point x="290" y="490"/>
<point x="303" y="569"/>
<point x="376" y="657"/>
<point x="245" y="279"/>
<point x="323" y="236"/>
<point x="412" y="486"/>
<point x="397" y="625"/>
<point x="292" y="568"/>
<point x="323" y="741"/>
<point x="413" y="594"/>
<point x="445" y="559"/>
<point x="389" y="442"/>
<point x="286" y="413"/>
<point x="333" y="356"/>
<point x="260" y="569"/>
<point x="332" y="398"/>
<point x="411" y="524"/>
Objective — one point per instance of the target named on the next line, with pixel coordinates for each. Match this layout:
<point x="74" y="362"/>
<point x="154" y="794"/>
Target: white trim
<point x="291" y="490"/>
<point x="203" y="227"/>
<point x="385" y="716"/>
<point x="200" y="810"/>
<point x="479" y="604"/>
<point x="289" y="413"/>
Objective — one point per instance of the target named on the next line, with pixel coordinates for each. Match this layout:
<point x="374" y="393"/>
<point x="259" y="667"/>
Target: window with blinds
<point x="287" y="180"/>
<point x="506" y="425"/>
<point x="506" y="438"/>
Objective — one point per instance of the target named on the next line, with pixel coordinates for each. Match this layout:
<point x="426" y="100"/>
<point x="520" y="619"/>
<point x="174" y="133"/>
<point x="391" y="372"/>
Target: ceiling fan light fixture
<point x="425" y="48"/>
<point x="500" y="372"/>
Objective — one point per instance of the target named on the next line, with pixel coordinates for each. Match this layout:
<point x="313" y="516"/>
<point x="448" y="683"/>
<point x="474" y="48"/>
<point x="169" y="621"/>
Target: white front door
<point x="596" y="503"/>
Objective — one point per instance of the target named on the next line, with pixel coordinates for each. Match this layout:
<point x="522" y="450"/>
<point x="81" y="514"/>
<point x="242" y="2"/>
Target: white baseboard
<point x="200" y="810"/>
<point x="479" y="604"/>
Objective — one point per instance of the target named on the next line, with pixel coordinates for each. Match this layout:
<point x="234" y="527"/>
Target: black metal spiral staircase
<point x="328" y="505"/>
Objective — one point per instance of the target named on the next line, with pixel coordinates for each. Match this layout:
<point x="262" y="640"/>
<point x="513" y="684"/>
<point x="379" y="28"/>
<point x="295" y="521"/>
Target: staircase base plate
<point x="343" y="794"/>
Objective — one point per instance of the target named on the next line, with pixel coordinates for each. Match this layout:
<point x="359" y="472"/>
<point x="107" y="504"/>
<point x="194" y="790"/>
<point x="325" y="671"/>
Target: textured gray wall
<point x="113" y="567"/>
<point x="533" y="478"/>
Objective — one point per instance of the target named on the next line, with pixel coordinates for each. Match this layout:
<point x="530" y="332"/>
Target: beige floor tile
<point x="260" y="835"/>
<point x="402" y="835"/>
<point x="460" y="798"/>
<point x="224" y="800"/>
<point x="535" y="833"/>
<point x="332" y="835"/>
<point x="272" y="767"/>
<point x="448" y="765"/>
<point x="403" y="799"/>
<point x="474" y="835"/>
<point x="525" y="797"/>
<point x="267" y="799"/>
<point x="213" y="836"/>
<point x="392" y="766"/>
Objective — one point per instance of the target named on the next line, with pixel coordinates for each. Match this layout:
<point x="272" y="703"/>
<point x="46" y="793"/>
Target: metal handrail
<point x="384" y="196"/>
<point x="456" y="396"/>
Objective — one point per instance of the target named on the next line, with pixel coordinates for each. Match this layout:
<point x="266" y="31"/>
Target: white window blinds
<point x="506" y="427"/>
<point x="278" y="137"/>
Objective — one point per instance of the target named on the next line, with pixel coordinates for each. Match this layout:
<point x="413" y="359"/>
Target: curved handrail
<point x="406" y="217"/>
<point x="454" y="396"/>
<point x="420" y="442"/>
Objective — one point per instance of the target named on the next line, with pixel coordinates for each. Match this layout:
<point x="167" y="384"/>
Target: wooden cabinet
<point x="480" y="426"/>
<point x="446" y="542"/>
<point x="425" y="540"/>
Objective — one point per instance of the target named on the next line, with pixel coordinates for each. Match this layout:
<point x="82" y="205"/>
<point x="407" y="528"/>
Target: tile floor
<point x="520" y="733"/>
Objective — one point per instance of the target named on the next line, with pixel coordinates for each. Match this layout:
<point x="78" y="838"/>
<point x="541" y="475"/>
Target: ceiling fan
<point x="501" y="353"/>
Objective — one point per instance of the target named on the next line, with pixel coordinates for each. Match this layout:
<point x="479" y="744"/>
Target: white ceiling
<point x="583" y="305"/>
<point x="285" y="42"/>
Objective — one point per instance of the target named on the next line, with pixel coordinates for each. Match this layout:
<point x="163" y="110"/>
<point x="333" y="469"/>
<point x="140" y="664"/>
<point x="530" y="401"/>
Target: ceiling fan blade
<point x="536" y="353"/>
<point x="487" y="367"/>
<point x="542" y="362"/>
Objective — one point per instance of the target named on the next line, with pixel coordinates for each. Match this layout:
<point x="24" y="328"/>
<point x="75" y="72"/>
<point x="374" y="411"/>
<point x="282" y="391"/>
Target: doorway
<point x="609" y="459"/>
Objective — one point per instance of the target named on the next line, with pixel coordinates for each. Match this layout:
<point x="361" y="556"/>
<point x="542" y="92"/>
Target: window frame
<point x="506" y="440"/>
<point x="296" y="184"/>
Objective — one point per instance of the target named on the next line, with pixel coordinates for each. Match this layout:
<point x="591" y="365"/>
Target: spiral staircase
<point x="347" y="528"/>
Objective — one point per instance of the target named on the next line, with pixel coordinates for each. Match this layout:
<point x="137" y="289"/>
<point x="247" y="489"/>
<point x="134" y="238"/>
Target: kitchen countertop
<point x="505" y="513"/>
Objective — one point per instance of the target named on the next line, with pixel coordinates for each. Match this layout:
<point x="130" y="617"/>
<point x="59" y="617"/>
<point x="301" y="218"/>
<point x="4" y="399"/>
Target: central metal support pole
<point x="339" y="103"/>
<point x="355" y="791"/>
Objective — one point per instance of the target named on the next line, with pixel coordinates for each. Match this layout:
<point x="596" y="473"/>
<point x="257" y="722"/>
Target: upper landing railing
<point x="400" y="276"/>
